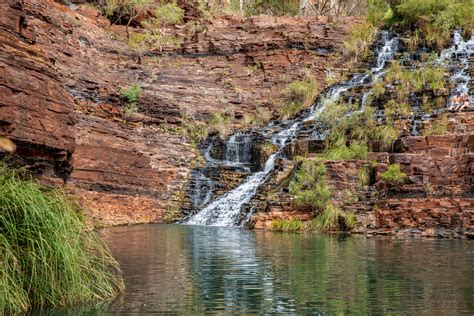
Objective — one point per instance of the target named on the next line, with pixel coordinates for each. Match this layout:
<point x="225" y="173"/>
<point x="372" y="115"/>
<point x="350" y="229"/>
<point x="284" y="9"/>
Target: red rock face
<point x="61" y="72"/>
<point x="436" y="200"/>
<point x="36" y="111"/>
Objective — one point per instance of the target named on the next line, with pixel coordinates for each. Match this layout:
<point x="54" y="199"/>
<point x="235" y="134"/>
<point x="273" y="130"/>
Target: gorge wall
<point x="61" y="72"/>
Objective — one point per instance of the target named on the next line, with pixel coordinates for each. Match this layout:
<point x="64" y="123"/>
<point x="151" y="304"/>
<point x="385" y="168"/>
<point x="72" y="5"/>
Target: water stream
<point x="225" y="210"/>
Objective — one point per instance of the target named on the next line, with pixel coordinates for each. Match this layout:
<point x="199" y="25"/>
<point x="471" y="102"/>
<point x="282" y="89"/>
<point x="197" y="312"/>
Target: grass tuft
<point x="49" y="257"/>
<point x="333" y="218"/>
<point x="393" y="175"/>
<point x="288" y="225"/>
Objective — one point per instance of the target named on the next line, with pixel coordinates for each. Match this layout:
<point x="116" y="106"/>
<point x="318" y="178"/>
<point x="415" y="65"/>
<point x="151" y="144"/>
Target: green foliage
<point x="220" y="123"/>
<point x="355" y="150"/>
<point x="273" y="7"/>
<point x="436" y="18"/>
<point x="414" y="41"/>
<point x="437" y="127"/>
<point x="393" y="175"/>
<point x="49" y="257"/>
<point x="334" y="111"/>
<point x="167" y="14"/>
<point x="357" y="47"/>
<point x="385" y="134"/>
<point x="139" y="42"/>
<point x="172" y="215"/>
<point x="297" y="96"/>
<point x="130" y="9"/>
<point x="310" y="185"/>
<point x="413" y="81"/>
<point x="130" y="95"/>
<point x="393" y="107"/>
<point x="290" y="225"/>
<point x="333" y="218"/>
<point x="378" y="89"/>
<point x="363" y="176"/>
<point x="262" y="117"/>
<point x="197" y="132"/>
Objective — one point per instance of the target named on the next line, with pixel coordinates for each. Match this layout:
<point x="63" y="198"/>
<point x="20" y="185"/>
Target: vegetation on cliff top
<point x="49" y="258"/>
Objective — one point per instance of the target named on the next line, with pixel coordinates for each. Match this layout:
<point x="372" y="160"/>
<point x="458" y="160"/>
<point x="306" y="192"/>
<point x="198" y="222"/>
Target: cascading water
<point x="457" y="59"/>
<point x="238" y="148"/>
<point x="226" y="210"/>
<point x="203" y="189"/>
<point x="460" y="53"/>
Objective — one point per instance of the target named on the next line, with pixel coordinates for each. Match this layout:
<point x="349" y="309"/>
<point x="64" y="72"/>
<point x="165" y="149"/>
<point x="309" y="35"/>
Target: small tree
<point x="127" y="8"/>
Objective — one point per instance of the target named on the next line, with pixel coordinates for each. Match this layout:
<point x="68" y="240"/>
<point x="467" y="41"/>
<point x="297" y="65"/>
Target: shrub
<point x="167" y="14"/>
<point x="130" y="9"/>
<point x="130" y="95"/>
<point x="363" y="176"/>
<point x="220" y="123"/>
<point x="357" y="47"/>
<point x="197" y="132"/>
<point x="437" y="127"/>
<point x="355" y="150"/>
<point x="49" y="257"/>
<point x="290" y="225"/>
<point x="297" y="96"/>
<point x="333" y="218"/>
<point x="393" y="175"/>
<point x="385" y="134"/>
<point x="139" y="42"/>
<point x="310" y="185"/>
<point x="335" y="111"/>
<point x="290" y="109"/>
<point x="273" y="7"/>
<point x="262" y="116"/>
<point x="435" y="18"/>
<point x="378" y="89"/>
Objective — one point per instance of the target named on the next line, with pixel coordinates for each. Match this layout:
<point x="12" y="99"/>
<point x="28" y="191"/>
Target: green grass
<point x="333" y="218"/>
<point x="167" y="14"/>
<point x="130" y="95"/>
<point x="356" y="150"/>
<point x="50" y="258"/>
<point x="221" y="124"/>
<point x="287" y="225"/>
<point x="393" y="175"/>
<point x="310" y="185"/>
<point x="437" y="127"/>
<point x="297" y="96"/>
<point x="435" y="18"/>
<point x="357" y="47"/>
<point x="363" y="176"/>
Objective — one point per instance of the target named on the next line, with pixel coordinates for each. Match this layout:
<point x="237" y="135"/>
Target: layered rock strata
<point x="62" y="71"/>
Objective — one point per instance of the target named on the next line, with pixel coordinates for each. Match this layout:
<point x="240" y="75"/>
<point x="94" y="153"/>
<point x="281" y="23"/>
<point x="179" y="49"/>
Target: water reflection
<point x="195" y="270"/>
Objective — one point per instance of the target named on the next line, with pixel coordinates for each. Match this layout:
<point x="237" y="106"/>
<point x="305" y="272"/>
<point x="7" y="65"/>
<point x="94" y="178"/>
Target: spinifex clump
<point x="49" y="258"/>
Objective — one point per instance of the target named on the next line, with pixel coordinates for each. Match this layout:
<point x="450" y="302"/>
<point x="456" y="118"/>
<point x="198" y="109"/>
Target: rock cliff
<point x="62" y="71"/>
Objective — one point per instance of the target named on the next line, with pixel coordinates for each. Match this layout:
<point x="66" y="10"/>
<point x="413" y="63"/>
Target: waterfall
<point x="226" y="210"/>
<point x="203" y="189"/>
<point x="460" y="52"/>
<point x="238" y="148"/>
<point x="457" y="59"/>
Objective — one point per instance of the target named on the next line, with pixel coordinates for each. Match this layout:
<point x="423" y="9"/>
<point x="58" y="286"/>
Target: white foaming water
<point x="226" y="210"/>
<point x="238" y="148"/>
<point x="204" y="188"/>
<point x="460" y="52"/>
